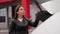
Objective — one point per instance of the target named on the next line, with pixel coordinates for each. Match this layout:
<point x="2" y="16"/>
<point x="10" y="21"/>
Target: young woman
<point x="20" y="24"/>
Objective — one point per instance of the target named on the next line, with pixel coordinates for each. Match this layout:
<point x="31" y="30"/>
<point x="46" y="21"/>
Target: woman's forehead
<point x="22" y="7"/>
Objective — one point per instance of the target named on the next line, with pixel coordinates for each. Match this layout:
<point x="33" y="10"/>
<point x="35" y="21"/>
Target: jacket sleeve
<point x="33" y="24"/>
<point x="11" y="27"/>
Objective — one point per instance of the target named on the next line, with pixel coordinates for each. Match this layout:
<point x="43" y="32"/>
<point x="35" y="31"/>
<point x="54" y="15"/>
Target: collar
<point x="20" y="19"/>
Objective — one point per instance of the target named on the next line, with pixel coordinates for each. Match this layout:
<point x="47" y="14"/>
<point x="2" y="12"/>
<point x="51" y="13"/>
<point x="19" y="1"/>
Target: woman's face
<point x="20" y="11"/>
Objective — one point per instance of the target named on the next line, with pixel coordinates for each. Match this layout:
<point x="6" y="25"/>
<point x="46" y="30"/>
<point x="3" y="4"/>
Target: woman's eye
<point x="21" y="9"/>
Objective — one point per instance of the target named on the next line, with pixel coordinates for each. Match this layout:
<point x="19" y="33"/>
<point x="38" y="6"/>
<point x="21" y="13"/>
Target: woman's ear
<point x="17" y="12"/>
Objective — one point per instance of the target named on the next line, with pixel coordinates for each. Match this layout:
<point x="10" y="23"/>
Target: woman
<point x="20" y="24"/>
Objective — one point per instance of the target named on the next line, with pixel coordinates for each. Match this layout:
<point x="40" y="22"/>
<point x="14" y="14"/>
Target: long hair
<point x="16" y="10"/>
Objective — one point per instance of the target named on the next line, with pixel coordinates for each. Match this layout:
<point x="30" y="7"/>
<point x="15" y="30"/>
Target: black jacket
<point x="17" y="27"/>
